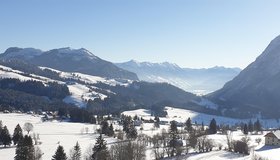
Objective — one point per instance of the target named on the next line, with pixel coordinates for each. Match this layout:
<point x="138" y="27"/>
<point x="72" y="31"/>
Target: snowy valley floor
<point x="67" y="134"/>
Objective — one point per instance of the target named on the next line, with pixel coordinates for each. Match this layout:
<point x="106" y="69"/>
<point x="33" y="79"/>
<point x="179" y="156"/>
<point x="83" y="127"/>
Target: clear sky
<point x="191" y="33"/>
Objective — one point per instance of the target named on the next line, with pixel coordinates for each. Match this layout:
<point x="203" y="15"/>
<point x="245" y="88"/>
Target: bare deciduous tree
<point x="258" y="140"/>
<point x="128" y="151"/>
<point x="38" y="153"/>
<point x="28" y="127"/>
<point x="229" y="140"/>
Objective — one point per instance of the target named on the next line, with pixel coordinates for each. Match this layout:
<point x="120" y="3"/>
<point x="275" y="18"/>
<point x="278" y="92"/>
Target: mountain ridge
<point x="70" y="60"/>
<point x="256" y="89"/>
<point x="191" y="80"/>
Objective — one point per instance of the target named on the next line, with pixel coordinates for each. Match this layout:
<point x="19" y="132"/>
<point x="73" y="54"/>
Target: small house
<point x="137" y="123"/>
<point x="272" y="138"/>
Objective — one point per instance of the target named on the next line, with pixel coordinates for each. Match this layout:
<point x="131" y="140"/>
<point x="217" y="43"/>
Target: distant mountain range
<point x="95" y="84"/>
<point x="199" y="81"/>
<point x="256" y="89"/>
<point x="69" y="60"/>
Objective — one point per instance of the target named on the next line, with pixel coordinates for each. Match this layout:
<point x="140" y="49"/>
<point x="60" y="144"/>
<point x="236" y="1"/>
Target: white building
<point x="272" y="138"/>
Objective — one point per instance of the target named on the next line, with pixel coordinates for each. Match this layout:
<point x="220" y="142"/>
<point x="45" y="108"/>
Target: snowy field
<point x="181" y="115"/>
<point x="51" y="134"/>
<point x="67" y="134"/>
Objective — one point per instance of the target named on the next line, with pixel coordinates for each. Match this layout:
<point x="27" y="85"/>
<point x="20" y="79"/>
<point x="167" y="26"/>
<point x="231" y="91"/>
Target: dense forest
<point x="52" y="90"/>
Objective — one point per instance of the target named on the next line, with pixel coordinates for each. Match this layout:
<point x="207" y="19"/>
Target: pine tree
<point x="17" y="134"/>
<point x="250" y="126"/>
<point x="111" y="130"/>
<point x="75" y="153"/>
<point x="173" y="127"/>
<point x="132" y="132"/>
<point x="173" y="131"/>
<point x="257" y="126"/>
<point x="25" y="149"/>
<point x="105" y="127"/>
<point x="1" y="128"/>
<point x="202" y="126"/>
<point x="93" y="120"/>
<point x="59" y="154"/>
<point x="6" y="137"/>
<point x="1" y="125"/>
<point x="189" y="125"/>
<point x="156" y="123"/>
<point x="100" y="150"/>
<point x="127" y="122"/>
<point x="213" y="127"/>
<point x="245" y="129"/>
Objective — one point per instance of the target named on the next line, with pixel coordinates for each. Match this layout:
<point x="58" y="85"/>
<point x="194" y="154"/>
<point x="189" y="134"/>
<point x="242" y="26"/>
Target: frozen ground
<point x="51" y="134"/>
<point x="67" y="134"/>
<point x="181" y="115"/>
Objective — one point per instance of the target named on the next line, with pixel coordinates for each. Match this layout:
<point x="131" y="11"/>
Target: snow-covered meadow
<point x="51" y="134"/>
<point x="181" y="115"/>
<point x="67" y="134"/>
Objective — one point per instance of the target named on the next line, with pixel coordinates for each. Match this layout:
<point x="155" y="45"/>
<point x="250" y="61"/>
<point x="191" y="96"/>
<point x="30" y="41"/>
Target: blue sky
<point x="191" y="33"/>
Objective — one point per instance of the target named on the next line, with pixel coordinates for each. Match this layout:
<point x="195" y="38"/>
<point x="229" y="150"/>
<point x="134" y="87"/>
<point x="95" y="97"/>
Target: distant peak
<point x="272" y="49"/>
<point x="13" y="49"/>
<point x="168" y="64"/>
<point x="21" y="53"/>
<point x="149" y="64"/>
<point x="72" y="51"/>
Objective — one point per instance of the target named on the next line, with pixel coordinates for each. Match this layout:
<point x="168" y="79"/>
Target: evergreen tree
<point x="104" y="127"/>
<point x="173" y="143"/>
<point x="6" y="137"/>
<point x="25" y="149"/>
<point x="202" y="126"/>
<point x="1" y="128"/>
<point x="135" y="118"/>
<point x="132" y="132"/>
<point x="213" y="127"/>
<point x="17" y="134"/>
<point x="156" y="123"/>
<point x="1" y="125"/>
<point x="111" y="130"/>
<point x="59" y="154"/>
<point x="93" y="120"/>
<point x="257" y="126"/>
<point x="250" y="126"/>
<point x="245" y="129"/>
<point x="127" y="122"/>
<point x="100" y="150"/>
<point x="189" y="125"/>
<point x="75" y="153"/>
<point x="173" y="127"/>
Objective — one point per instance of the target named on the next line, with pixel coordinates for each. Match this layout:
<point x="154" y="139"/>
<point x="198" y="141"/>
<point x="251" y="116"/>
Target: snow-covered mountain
<point x="97" y="94"/>
<point x="69" y="60"/>
<point x="257" y="88"/>
<point x="199" y="81"/>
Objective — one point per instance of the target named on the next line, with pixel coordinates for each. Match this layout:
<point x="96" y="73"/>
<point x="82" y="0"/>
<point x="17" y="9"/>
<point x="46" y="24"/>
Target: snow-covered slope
<point x="69" y="60"/>
<point x="81" y="87"/>
<point x="199" y="81"/>
<point x="257" y="88"/>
